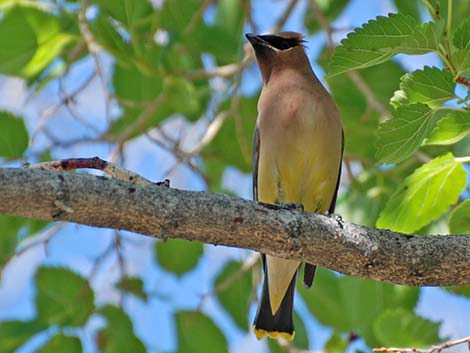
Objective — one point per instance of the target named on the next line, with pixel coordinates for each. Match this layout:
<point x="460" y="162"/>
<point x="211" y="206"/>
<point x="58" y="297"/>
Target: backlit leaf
<point x="431" y="86"/>
<point x="18" y="42"/>
<point x="424" y="39"/>
<point x="398" y="138"/>
<point x="461" y="37"/>
<point x="371" y="44"/>
<point x="450" y="129"/>
<point x="459" y="221"/>
<point x="424" y="195"/>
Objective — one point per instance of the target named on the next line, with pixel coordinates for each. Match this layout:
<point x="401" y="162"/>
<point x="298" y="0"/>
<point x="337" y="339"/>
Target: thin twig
<point x="94" y="50"/>
<point x="112" y="169"/>
<point x="284" y="17"/>
<point x="432" y="349"/>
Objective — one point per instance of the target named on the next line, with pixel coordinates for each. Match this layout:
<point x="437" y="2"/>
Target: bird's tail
<point x="282" y="323"/>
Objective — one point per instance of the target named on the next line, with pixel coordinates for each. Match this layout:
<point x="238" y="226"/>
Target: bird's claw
<point x="337" y="218"/>
<point x="283" y="206"/>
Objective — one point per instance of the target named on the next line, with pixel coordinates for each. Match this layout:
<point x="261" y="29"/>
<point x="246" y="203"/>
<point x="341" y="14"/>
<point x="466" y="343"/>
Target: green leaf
<point x="222" y="45"/>
<point x="461" y="60"/>
<point x="371" y="44"/>
<point x="450" y="129"/>
<point x="461" y="37"/>
<point x="230" y="16"/>
<point x="402" y="328"/>
<point x="51" y="39"/>
<point x="359" y="121"/>
<point x="14" y="137"/>
<point x="459" y="221"/>
<point x="198" y="334"/>
<point x="178" y="256"/>
<point x="347" y="59"/>
<point x="18" y="42"/>
<point x="232" y="144"/>
<point x="336" y="344"/>
<point x="350" y="304"/>
<point x="431" y="86"/>
<point x="134" y="286"/>
<point x="13" y="334"/>
<point x="107" y="35"/>
<point x="459" y="290"/>
<point x="13" y="230"/>
<point x="130" y="83"/>
<point x="233" y="286"/>
<point x="382" y="33"/>
<point x="63" y="297"/>
<point x="128" y="12"/>
<point x="408" y="7"/>
<point x="366" y="197"/>
<point x="175" y="15"/>
<point x="118" y="335"/>
<point x="398" y="138"/>
<point x="62" y="343"/>
<point x="300" y="340"/>
<point x="181" y="95"/>
<point x="424" y="39"/>
<point x="424" y="195"/>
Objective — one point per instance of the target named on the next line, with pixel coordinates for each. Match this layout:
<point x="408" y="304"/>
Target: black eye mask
<point x="281" y="43"/>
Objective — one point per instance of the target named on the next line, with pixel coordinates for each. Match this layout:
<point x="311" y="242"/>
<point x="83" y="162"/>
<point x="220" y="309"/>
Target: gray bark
<point x="213" y="218"/>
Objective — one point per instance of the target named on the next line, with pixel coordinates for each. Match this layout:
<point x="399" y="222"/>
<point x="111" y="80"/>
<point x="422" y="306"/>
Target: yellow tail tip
<point x="260" y="334"/>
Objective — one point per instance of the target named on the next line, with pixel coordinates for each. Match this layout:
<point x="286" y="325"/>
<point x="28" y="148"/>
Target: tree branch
<point x="214" y="218"/>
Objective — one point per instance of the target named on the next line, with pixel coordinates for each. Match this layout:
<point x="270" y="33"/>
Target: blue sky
<point x="77" y="246"/>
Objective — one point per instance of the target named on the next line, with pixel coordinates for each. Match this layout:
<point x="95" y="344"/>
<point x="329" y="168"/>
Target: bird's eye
<point x="284" y="45"/>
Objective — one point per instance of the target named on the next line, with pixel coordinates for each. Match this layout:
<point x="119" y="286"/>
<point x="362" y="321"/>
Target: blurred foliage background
<point x="168" y="89"/>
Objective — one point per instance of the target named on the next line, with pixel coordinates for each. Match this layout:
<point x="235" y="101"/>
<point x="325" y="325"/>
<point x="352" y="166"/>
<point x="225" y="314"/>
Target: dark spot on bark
<point x="165" y="183"/>
<point x="238" y="220"/>
<point x="64" y="164"/>
<point x="131" y="190"/>
<point x="61" y="178"/>
<point x="57" y="215"/>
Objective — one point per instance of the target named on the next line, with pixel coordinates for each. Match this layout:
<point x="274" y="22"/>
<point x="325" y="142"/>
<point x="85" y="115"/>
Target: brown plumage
<point x="297" y="155"/>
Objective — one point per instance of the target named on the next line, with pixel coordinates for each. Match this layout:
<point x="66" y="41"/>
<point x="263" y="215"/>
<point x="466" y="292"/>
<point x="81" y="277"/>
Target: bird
<point x="297" y="152"/>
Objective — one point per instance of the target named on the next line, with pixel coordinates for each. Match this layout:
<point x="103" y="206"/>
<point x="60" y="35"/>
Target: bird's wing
<point x="333" y="201"/>
<point x="309" y="269"/>
<point x="255" y="158"/>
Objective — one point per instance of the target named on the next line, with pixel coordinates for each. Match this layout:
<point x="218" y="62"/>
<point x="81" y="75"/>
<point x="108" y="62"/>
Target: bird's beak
<point x="256" y="40"/>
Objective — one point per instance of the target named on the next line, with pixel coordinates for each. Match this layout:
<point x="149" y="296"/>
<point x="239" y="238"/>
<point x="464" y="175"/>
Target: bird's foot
<point x="283" y="206"/>
<point x="292" y="207"/>
<point x="335" y="217"/>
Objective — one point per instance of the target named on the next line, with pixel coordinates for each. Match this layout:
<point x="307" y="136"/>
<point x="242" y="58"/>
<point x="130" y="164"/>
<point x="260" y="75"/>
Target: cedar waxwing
<point x="297" y="152"/>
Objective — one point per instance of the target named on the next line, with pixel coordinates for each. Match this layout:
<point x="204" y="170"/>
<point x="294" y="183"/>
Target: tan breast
<point x="300" y="145"/>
